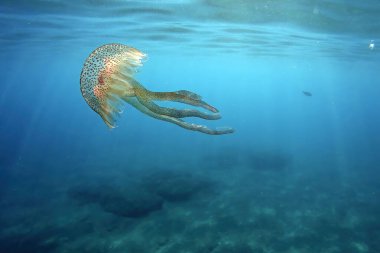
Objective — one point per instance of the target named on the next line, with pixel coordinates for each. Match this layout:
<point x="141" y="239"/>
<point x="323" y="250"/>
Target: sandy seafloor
<point x="226" y="201"/>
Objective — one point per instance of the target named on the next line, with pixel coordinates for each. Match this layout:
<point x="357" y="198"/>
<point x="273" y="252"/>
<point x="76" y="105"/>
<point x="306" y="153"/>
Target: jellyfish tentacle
<point x="182" y="96"/>
<point x="190" y="126"/>
<point x="177" y="113"/>
<point x="146" y="96"/>
<point x="143" y="96"/>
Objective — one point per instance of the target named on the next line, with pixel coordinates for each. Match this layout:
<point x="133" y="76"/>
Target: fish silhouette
<point x="306" y="93"/>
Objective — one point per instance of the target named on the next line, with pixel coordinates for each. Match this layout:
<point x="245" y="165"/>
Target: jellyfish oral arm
<point x="190" y="126"/>
<point x="146" y="98"/>
<point x="183" y="96"/>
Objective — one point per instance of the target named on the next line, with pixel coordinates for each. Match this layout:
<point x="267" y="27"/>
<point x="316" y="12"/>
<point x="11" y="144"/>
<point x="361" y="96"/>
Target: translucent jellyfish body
<point x="107" y="81"/>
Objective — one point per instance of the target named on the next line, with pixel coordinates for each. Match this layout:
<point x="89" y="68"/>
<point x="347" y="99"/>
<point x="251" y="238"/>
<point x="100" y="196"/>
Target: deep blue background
<point x="45" y="117"/>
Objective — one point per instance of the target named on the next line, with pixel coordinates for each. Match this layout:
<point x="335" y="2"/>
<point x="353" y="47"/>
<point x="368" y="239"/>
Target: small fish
<point x="306" y="93"/>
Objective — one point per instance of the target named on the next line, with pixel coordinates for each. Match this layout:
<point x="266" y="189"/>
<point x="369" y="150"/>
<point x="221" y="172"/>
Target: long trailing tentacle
<point x="144" y="98"/>
<point x="190" y="126"/>
<point x="183" y="96"/>
<point x="177" y="113"/>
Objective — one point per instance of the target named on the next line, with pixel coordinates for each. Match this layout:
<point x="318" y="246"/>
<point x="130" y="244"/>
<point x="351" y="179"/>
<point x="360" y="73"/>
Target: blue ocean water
<point x="297" y="80"/>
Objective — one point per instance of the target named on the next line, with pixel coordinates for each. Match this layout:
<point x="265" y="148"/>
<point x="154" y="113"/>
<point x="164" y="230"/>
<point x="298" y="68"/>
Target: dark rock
<point x="132" y="201"/>
<point x="174" y="186"/>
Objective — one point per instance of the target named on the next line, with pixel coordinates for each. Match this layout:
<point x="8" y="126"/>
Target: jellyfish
<point x="106" y="82"/>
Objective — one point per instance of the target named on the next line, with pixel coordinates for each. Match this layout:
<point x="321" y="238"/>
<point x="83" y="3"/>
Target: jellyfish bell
<point x="107" y="81"/>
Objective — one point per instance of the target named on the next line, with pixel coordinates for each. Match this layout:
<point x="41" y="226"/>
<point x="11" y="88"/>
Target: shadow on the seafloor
<point x="132" y="201"/>
<point x="174" y="186"/>
<point x="138" y="199"/>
